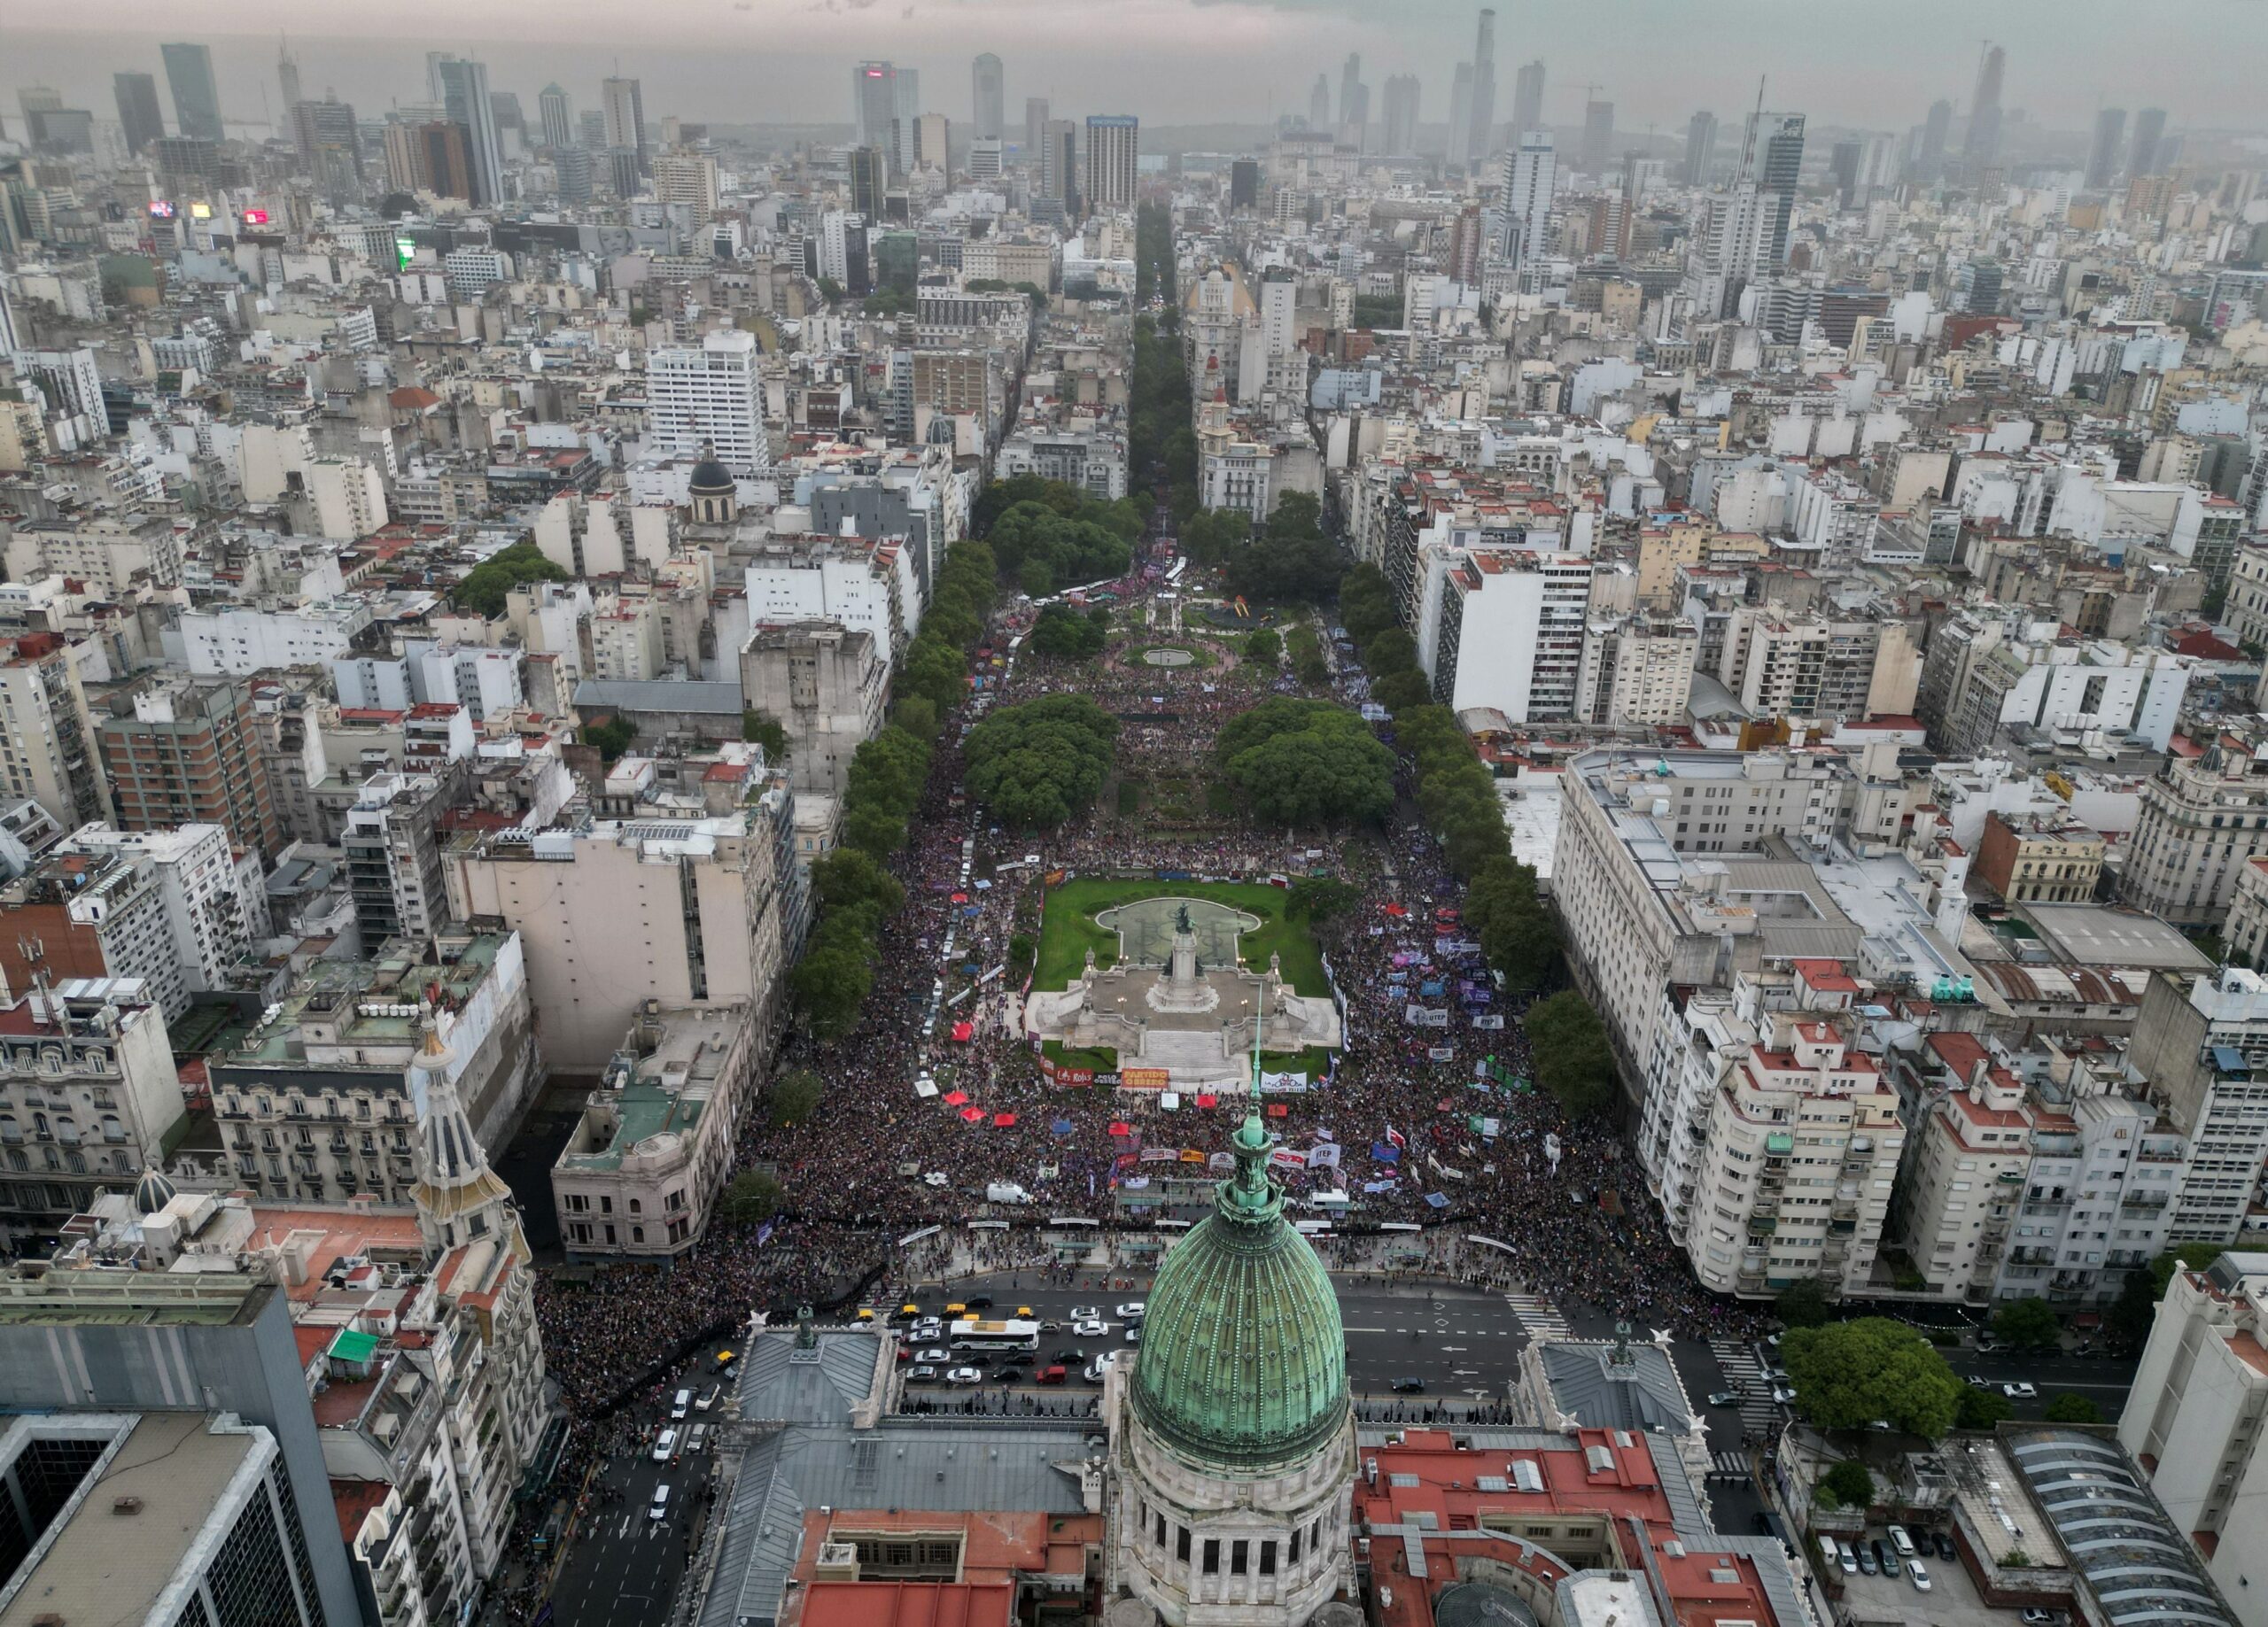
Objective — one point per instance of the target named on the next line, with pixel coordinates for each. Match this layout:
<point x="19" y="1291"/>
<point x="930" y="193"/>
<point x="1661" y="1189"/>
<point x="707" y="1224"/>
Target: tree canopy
<point x="1506" y="916"/>
<point x="1572" y="1058"/>
<point x="1035" y="765"/>
<point x="753" y="1197"/>
<point x="485" y="584"/>
<point x="1802" y="1304"/>
<point x="2027" y="1324"/>
<point x="1044" y="549"/>
<point x="1848" y="1375"/>
<point x="795" y="1096"/>
<point x="2071" y="1407"/>
<point x="1306" y="763"/>
<point x="1290" y="559"/>
<point x="1067" y="634"/>
<point x="610" y="737"/>
<point x="1847" y="1485"/>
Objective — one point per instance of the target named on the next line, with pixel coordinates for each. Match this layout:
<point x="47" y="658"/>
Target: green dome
<point x="1243" y="1361"/>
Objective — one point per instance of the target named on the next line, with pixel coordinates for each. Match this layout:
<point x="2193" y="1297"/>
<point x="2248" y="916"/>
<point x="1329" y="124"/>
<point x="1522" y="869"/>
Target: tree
<point x="793" y="1097"/>
<point x="830" y="290"/>
<point x="1506" y="914"/>
<point x="1981" y="1408"/>
<point x="2127" y="1326"/>
<point x="1319" y="899"/>
<point x="611" y="737"/>
<point x="2070" y="1408"/>
<point x="1306" y="763"/>
<point x="485" y="586"/>
<point x="1038" y="763"/>
<point x="2027" y="1324"/>
<point x="1847" y="1485"/>
<point x="829" y="985"/>
<point x="1572" y="1058"/>
<point x="752" y="1198"/>
<point x="933" y="671"/>
<point x="916" y="715"/>
<point x="1263" y="648"/>
<point x="1023" y="949"/>
<point x="1848" y="1375"/>
<point x="762" y="729"/>
<point x="848" y="879"/>
<point x="1305" y="648"/>
<point x="1064" y="634"/>
<point x="1390" y="650"/>
<point x="875" y="831"/>
<point x="1803" y="1304"/>
<point x="1398" y="691"/>
<point x="1365" y="603"/>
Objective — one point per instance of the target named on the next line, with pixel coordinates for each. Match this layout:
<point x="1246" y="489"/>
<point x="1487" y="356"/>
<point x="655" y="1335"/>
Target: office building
<point x="1460" y="116"/>
<point x="874" y="110"/>
<point x="1531" y="175"/>
<point x="624" y="103"/>
<point x="989" y="97"/>
<point x="440" y="158"/>
<point x="1527" y="99"/>
<point x="686" y="178"/>
<point x="1983" y="148"/>
<point x="1354" y="101"/>
<point x="330" y="147"/>
<point x="556" y="114"/>
<point x="2104" y="146"/>
<point x="2142" y="155"/>
<point x="1114" y="146"/>
<point x="1598" y="138"/>
<point x="190" y="752"/>
<point x="707" y="400"/>
<point x="1700" y="148"/>
<point x="1479" y="139"/>
<point x="869" y="171"/>
<point x="1059" y="163"/>
<point x="1244" y="183"/>
<point x="1034" y="127"/>
<point x="1400" y="136"/>
<point x="931" y="144"/>
<point x="137" y="109"/>
<point x="196" y="98"/>
<point x="826" y="684"/>
<point x="464" y="86"/>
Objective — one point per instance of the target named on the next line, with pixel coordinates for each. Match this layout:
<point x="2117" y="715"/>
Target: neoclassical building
<point x="1231" y="1441"/>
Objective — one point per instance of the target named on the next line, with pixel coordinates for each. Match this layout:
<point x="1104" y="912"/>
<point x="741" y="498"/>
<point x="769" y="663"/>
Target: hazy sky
<point x="1843" y="62"/>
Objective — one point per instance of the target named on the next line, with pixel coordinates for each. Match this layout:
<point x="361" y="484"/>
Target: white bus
<point x="972" y="1334"/>
<point x="1173" y="575"/>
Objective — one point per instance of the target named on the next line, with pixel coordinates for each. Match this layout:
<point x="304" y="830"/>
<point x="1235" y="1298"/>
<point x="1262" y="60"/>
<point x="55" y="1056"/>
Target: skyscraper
<point x="1354" y="95"/>
<point x="1034" y="127"/>
<point x="2142" y="156"/>
<point x="1598" y="137"/>
<point x="1930" y="160"/>
<point x="1478" y="139"/>
<point x="906" y="107"/>
<point x="869" y="181"/>
<point x="557" y="116"/>
<point x="1402" y="113"/>
<point x="196" y="99"/>
<point x="1531" y="173"/>
<point x="626" y="116"/>
<point x="1113" y="148"/>
<point x="137" y="109"/>
<point x="991" y="87"/>
<point x="707" y="399"/>
<point x="1059" y="164"/>
<point x="287" y="74"/>
<point x="1527" y="99"/>
<point x="1319" y="104"/>
<point x="1984" y="144"/>
<point x="1461" y="116"/>
<point x="1771" y="160"/>
<point x="874" y="109"/>
<point x="1700" y="147"/>
<point x="465" y="93"/>
<point x="2103" y="151"/>
<point x="1844" y="167"/>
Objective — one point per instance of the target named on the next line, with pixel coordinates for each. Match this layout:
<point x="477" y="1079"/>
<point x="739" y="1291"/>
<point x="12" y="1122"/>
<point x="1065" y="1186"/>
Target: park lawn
<point x="1070" y="929"/>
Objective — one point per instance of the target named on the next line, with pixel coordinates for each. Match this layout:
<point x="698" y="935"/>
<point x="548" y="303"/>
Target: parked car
<point x="1900" y="1540"/>
<point x="666" y="1446"/>
<point x="1846" y="1557"/>
<point x="1918" y="1574"/>
<point x="1867" y="1564"/>
<point x="1885" y="1556"/>
<point x="2018" y="1391"/>
<point x="1941" y="1544"/>
<point x="1725" y="1398"/>
<point x="964" y="1375"/>
<point x="661" y="1506"/>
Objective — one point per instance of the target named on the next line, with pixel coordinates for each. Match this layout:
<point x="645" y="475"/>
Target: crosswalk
<point x="1744" y="1373"/>
<point x="1539" y="1316"/>
<point x="1728" y="1466"/>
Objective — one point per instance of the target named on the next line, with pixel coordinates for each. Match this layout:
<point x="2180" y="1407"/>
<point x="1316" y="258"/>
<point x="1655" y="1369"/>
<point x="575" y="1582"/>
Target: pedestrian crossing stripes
<point x="1728" y="1466"/>
<point x="1539" y="1316"/>
<point x="1745" y="1375"/>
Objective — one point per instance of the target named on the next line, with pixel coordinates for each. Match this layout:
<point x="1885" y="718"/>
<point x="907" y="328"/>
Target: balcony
<point x="2144" y="1203"/>
<point x="1762" y="1225"/>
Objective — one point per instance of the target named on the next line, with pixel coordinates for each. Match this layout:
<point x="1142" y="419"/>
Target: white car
<point x="935" y="1357"/>
<point x="923" y="1375"/>
<point x="1086" y="1313"/>
<point x="965" y="1375"/>
<point x="664" y="1444"/>
<point x="661" y="1508"/>
<point x="1131" y="1310"/>
<point x="1088" y="1328"/>
<point x="680" y="1407"/>
<point x="1918" y="1574"/>
<point x="2018" y="1393"/>
<point x="1783" y="1395"/>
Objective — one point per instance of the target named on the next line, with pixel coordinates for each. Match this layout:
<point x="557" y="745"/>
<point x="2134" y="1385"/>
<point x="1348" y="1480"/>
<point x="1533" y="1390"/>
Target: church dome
<point x="709" y="478"/>
<point x="1243" y="1360"/>
<point x="152" y="1192"/>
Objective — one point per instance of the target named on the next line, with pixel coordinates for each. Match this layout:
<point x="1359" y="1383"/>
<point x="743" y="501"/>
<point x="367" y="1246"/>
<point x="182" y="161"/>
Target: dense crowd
<point x="883" y="1161"/>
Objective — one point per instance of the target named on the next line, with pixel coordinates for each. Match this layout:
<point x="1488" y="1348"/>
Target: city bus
<point x="975" y="1336"/>
<point x="1173" y="575"/>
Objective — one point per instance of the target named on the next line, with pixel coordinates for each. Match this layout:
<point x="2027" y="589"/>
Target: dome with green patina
<point x="1243" y="1360"/>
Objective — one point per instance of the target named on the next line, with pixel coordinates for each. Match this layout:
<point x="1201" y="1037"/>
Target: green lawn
<point x="1071" y="930"/>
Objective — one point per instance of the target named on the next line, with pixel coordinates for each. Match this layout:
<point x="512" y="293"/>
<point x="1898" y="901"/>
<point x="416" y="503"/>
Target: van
<point x="1899" y="1540"/>
<point x="661" y="1508"/>
<point x="1827" y="1554"/>
<point x="680" y="1407"/>
<point x="664" y="1445"/>
<point x="1050" y="1376"/>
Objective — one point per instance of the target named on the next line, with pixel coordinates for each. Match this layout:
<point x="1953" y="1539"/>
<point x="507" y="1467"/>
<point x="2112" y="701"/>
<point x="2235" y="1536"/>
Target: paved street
<point x="624" y="1566"/>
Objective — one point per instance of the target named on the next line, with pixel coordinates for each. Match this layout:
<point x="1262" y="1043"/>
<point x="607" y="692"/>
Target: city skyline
<point x="1144" y="60"/>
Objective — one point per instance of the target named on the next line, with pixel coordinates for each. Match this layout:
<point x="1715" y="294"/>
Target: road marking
<point x="1368" y="1331"/>
<point x="1453" y="1347"/>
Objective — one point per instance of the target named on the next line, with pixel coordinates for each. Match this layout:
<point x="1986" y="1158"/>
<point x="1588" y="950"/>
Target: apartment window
<point x="1267" y="1558"/>
<point x="1238" y="1556"/>
<point x="1212" y="1565"/>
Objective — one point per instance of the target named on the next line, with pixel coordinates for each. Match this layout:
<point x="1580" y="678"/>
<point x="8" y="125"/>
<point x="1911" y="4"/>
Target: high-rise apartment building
<point x="1700" y="148"/>
<point x="687" y="178"/>
<point x="1114" y="146"/>
<point x="437" y="160"/>
<point x="624" y="103"/>
<point x="137" y="109"/>
<point x="464" y="89"/>
<point x="1598" y="138"/>
<point x="1059" y="162"/>
<point x="707" y="399"/>
<point x="1401" y="114"/>
<point x="196" y="98"/>
<point x="1461" y="116"/>
<point x="1531" y="174"/>
<point x="2202" y="1041"/>
<point x="190" y="753"/>
<point x="1034" y="127"/>
<point x="932" y="143"/>
<point x="557" y="116"/>
<point x="1480" y="126"/>
<point x="989" y="97"/>
<point x="2143" y="153"/>
<point x="46" y="737"/>
<point x="1527" y="99"/>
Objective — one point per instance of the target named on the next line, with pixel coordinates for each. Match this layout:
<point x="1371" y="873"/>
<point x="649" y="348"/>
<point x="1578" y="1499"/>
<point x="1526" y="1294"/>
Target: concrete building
<point x="190" y="752"/>
<point x="2244" y="934"/>
<point x="98" y="915"/>
<point x="215" y="905"/>
<point x="392" y="848"/>
<point x="1113" y="147"/>
<point x="2038" y="859"/>
<point x="315" y="1105"/>
<point x="349" y="497"/>
<point x="2203" y="819"/>
<point x="641" y="1174"/>
<point x="2202" y="1042"/>
<point x="620" y="911"/>
<point x="826" y="685"/>
<point x="111" y="554"/>
<point x="1636" y="670"/>
<point x="1505" y="629"/>
<point x="1810" y="668"/>
<point x="1972" y="1156"/>
<point x="47" y="748"/>
<point x="707" y="400"/>
<point x="240" y="640"/>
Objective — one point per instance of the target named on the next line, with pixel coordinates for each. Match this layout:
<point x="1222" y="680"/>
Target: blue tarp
<point x="1384" y="1154"/>
<point x="1434" y="1200"/>
<point x="1061" y="1126"/>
